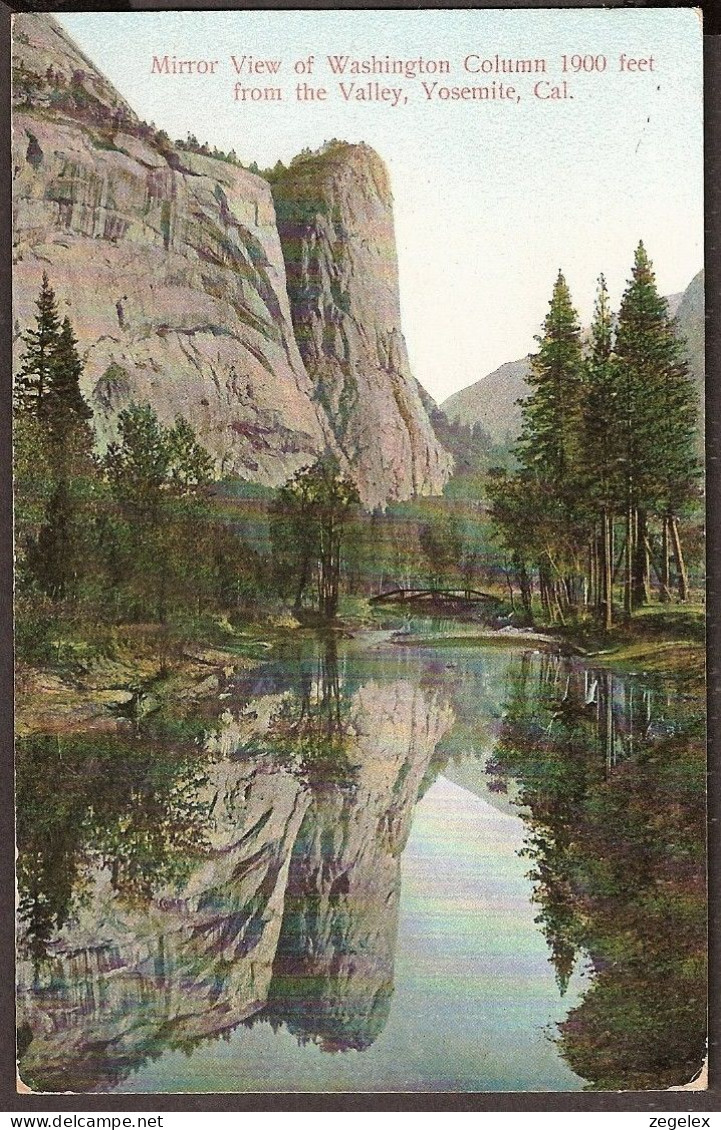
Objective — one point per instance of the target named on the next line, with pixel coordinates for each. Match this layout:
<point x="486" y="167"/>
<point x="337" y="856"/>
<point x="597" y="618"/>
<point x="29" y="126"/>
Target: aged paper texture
<point x="360" y="583"/>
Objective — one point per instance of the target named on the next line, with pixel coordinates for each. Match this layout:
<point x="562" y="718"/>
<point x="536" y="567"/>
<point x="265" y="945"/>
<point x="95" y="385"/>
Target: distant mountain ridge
<point x="492" y="401"/>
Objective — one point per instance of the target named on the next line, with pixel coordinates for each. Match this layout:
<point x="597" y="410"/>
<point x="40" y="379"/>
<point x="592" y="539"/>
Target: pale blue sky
<point x="490" y="198"/>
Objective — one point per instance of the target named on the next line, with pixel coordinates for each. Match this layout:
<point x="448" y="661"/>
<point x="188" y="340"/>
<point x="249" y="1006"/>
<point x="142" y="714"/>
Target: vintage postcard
<point x="359" y="551"/>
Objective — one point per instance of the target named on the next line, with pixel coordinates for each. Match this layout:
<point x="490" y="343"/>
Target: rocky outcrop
<point x="169" y="265"/>
<point x="335" y="220"/>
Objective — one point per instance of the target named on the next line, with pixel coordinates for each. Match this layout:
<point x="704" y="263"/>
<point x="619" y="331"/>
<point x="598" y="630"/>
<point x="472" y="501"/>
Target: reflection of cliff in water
<point x="126" y="978"/>
<point x="285" y="908"/>
<point x="333" y="971"/>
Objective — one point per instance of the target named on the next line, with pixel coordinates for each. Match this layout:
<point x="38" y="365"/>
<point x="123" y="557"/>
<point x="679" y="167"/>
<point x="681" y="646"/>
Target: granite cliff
<point x="170" y="266"/>
<point x="335" y="220"/>
<point x="121" y="981"/>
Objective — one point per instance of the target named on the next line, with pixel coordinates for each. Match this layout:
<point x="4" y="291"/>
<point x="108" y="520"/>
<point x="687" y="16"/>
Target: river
<point x="373" y="866"/>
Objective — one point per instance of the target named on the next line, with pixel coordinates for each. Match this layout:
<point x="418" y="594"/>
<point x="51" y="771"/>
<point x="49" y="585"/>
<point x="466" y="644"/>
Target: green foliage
<point x="127" y="805"/>
<point x="152" y="463"/>
<point x="601" y="465"/>
<point x="657" y="418"/>
<point x="608" y="438"/>
<point x="612" y="789"/>
<point x="472" y="449"/>
<point x="35" y="623"/>
<point x="539" y="510"/>
<point x="31" y="476"/>
<point x="154" y="531"/>
<point x="311" y="732"/>
<point x="441" y="543"/>
<point x="41" y="345"/>
<point x="53" y="460"/>
<point x="47" y="387"/>
<point x="133" y="536"/>
<point x="438" y="542"/>
<point x="191" y="145"/>
<point x="64" y="405"/>
<point x="548" y="446"/>
<point x="309" y="524"/>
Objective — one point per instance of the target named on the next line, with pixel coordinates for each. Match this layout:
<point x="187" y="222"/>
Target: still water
<point x="372" y="867"/>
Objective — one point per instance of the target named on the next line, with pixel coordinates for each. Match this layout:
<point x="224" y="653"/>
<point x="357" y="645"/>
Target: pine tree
<point x="52" y="416"/>
<point x="190" y="465"/>
<point x="549" y="440"/>
<point x="549" y="450"/>
<point x="657" y="421"/>
<point x="138" y="467"/>
<point x="32" y="382"/>
<point x="602" y="484"/>
<point x="64" y="407"/>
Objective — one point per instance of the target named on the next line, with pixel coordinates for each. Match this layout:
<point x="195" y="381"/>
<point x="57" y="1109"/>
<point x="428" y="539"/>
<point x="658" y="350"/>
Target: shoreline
<point x="117" y="692"/>
<point x="502" y="636"/>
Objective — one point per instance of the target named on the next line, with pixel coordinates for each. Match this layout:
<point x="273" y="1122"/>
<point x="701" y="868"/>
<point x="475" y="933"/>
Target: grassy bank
<point x="133" y="671"/>
<point x="665" y="639"/>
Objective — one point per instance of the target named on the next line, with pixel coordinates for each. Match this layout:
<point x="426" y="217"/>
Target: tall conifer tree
<point x="31" y="385"/>
<point x="52" y="418"/>
<point x="602" y="485"/>
<point x="549" y="441"/>
<point x="656" y="422"/>
<point x="549" y="447"/>
<point x="64" y="405"/>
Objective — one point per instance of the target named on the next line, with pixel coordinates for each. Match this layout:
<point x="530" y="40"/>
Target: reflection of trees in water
<point x="311" y="729"/>
<point x="110" y="800"/>
<point x="612" y="783"/>
<point x="132" y="972"/>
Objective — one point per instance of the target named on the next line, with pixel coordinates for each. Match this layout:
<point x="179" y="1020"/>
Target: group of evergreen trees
<point x="605" y="468"/>
<point x="606" y="457"/>
<point x="127" y="536"/>
<point x="136" y="534"/>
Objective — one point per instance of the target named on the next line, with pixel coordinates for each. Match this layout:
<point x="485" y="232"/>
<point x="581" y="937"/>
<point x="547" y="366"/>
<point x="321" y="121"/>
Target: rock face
<point x="333" y="972"/>
<point x="493" y="401"/>
<point x="335" y="221"/>
<point x="169" y="265"/>
<point x="691" y="315"/>
<point x="119" y="983"/>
